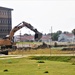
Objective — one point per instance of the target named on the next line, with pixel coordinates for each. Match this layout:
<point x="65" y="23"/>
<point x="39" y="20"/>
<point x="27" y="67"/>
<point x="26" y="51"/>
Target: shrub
<point x="40" y="61"/>
<point x="46" y="72"/>
<point x="6" y="70"/>
<point x="54" y="58"/>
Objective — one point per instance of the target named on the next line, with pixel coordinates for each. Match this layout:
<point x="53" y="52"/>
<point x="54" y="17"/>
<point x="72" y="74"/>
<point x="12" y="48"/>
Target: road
<point x="21" y="56"/>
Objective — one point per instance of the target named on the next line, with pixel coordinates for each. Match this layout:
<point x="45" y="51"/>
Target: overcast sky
<point x="42" y="14"/>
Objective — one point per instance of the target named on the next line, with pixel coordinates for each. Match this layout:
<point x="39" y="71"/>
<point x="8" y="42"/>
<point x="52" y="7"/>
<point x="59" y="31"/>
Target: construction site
<point x="37" y="37"/>
<point x="7" y="43"/>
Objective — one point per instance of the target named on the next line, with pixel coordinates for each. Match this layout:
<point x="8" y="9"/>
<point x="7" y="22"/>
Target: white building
<point x="68" y="37"/>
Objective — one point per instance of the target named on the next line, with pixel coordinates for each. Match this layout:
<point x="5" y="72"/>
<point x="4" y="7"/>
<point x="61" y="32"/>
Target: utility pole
<point x="50" y="38"/>
<point x="73" y="31"/>
<point x="20" y="36"/>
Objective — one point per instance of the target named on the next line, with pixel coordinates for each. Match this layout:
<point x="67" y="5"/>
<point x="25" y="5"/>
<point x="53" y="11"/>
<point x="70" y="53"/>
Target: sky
<point x="42" y="14"/>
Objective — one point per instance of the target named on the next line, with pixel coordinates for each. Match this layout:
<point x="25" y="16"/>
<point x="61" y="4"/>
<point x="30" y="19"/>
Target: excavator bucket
<point x="37" y="36"/>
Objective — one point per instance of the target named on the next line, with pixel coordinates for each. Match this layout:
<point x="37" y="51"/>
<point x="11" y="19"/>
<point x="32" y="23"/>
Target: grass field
<point x="42" y="51"/>
<point x="26" y="66"/>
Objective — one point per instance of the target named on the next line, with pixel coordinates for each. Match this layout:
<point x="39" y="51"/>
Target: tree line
<point x="55" y="35"/>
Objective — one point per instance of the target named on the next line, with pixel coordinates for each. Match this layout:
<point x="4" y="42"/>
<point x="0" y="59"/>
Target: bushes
<point x="6" y="70"/>
<point x="40" y="61"/>
<point x="46" y="72"/>
<point x="53" y="58"/>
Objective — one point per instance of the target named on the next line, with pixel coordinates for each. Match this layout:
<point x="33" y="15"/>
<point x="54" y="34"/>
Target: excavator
<point x="7" y="43"/>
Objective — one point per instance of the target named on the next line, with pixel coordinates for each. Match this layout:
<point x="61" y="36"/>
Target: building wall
<point x="5" y="21"/>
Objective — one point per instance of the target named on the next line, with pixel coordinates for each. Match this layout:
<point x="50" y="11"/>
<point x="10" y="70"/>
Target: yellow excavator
<point x="8" y="43"/>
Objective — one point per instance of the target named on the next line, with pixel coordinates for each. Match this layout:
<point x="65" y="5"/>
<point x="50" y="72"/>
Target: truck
<point x="7" y="43"/>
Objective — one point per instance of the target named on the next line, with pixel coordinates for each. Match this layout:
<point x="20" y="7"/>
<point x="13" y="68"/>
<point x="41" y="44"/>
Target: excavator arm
<point x="37" y="36"/>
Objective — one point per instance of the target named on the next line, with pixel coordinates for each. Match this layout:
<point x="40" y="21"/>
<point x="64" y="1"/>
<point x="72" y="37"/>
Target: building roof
<point x="69" y="34"/>
<point x="26" y="37"/>
<point x="45" y="37"/>
<point x="31" y="37"/>
<point x="5" y="8"/>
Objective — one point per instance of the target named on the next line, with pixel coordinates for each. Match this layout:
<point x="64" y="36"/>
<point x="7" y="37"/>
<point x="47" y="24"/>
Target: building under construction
<point x="5" y="21"/>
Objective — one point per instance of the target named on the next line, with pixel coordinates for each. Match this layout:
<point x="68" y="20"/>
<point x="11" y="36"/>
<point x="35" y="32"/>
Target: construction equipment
<point x="8" y="43"/>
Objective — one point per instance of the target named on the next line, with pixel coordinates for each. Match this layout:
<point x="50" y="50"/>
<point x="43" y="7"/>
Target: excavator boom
<point x="38" y="35"/>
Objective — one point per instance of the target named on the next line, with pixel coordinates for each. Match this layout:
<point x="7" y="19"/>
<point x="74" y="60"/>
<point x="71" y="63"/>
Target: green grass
<point x="26" y="66"/>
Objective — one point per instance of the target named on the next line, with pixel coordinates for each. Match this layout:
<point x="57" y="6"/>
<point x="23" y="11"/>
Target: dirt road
<point x="21" y="56"/>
